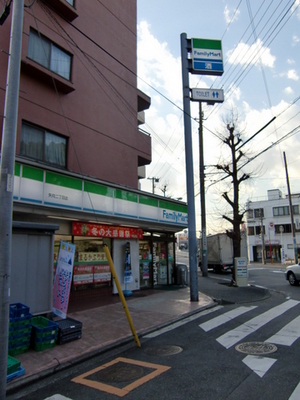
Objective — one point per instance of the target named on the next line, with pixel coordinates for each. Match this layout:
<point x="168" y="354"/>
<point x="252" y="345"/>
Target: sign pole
<point x="189" y="170"/>
<point x="202" y="196"/>
<point x="7" y="167"/>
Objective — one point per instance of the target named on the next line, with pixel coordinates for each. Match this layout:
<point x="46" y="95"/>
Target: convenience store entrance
<point x="157" y="256"/>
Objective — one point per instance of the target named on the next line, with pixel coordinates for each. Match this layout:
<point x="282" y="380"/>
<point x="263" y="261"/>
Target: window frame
<point x="40" y="46"/>
<point x="44" y="158"/>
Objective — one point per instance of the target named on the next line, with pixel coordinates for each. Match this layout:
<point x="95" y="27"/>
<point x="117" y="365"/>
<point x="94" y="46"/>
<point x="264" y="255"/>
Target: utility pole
<point x="291" y="210"/>
<point x="7" y="178"/>
<point x="202" y="196"/>
<point x="154" y="180"/>
<point x="262" y="238"/>
<point x="164" y="189"/>
<point x="194" y="293"/>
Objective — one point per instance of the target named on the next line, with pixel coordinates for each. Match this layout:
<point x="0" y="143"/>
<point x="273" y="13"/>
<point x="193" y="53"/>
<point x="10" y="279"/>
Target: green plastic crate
<point x="20" y="332"/>
<point x="19" y="349"/>
<point x="44" y="345"/>
<point x="20" y="322"/>
<point x="12" y="365"/>
<point x="42" y="327"/>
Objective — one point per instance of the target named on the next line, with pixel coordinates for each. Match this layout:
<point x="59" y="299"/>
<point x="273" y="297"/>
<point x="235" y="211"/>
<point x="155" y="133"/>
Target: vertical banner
<point x="63" y="279"/>
<point x="128" y="271"/>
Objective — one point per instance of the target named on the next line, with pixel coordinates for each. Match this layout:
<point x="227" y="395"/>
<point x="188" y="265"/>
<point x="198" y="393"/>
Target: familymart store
<point x="89" y="212"/>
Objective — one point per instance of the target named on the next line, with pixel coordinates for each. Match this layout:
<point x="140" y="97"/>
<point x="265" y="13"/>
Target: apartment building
<point x="269" y="228"/>
<point x="79" y="151"/>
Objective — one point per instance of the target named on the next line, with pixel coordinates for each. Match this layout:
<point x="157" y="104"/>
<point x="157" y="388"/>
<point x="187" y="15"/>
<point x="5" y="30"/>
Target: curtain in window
<point x="38" y="49"/>
<point x="55" y="149"/>
<point x="32" y="142"/>
<point x="60" y="62"/>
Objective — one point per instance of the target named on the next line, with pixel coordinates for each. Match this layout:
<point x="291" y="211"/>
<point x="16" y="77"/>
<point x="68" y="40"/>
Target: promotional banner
<point x="63" y="279"/>
<point x="128" y="271"/>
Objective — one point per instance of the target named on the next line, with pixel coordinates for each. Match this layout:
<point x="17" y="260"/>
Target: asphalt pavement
<point x="105" y="326"/>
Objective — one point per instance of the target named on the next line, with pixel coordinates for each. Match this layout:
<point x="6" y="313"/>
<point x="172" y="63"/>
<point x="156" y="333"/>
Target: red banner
<point x="106" y="231"/>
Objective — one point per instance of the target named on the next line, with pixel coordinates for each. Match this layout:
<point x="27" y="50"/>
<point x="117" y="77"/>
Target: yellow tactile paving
<point x="157" y="370"/>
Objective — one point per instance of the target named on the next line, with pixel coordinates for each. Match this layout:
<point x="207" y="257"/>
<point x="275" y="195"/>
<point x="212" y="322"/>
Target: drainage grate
<point x="167" y="350"/>
<point x="256" y="348"/>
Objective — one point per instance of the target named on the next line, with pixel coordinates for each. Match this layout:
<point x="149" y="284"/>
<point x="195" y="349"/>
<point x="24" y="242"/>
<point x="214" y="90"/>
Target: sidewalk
<point x="106" y="326"/>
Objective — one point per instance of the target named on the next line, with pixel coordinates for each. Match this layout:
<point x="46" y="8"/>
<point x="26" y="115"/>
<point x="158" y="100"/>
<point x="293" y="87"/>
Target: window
<point x="71" y="2"/>
<point x="249" y="214"/>
<point x="250" y="230"/>
<point x="258" y="230"/>
<point x="259" y="212"/>
<point x="41" y="145"/>
<point x="285" y="210"/>
<point x="44" y="52"/>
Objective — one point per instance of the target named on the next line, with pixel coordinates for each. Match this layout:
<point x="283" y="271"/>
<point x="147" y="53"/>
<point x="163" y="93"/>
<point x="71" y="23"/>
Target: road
<point x="236" y="351"/>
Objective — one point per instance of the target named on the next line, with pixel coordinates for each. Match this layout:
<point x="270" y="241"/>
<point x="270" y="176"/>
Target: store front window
<point x="156" y="253"/>
<point x="91" y="267"/>
<point x="146" y="270"/>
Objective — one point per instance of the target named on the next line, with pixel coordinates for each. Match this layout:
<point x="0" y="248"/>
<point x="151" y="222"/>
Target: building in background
<point x="271" y="218"/>
<point x="79" y="151"/>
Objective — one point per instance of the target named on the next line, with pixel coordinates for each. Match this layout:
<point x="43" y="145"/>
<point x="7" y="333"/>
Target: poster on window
<point x="102" y="273"/>
<point x="63" y="279"/>
<point x="128" y="271"/>
<point x="83" y="274"/>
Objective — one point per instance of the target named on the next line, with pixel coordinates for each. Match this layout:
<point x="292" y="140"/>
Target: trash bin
<point x="181" y="274"/>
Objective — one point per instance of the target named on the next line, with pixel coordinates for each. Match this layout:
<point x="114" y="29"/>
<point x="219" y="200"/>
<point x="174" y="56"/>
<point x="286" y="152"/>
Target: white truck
<point x="220" y="252"/>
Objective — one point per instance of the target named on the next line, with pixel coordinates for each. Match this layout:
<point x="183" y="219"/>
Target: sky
<point x="261" y="81"/>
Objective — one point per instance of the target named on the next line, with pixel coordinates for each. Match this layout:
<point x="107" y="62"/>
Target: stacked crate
<point x="69" y="329"/>
<point x="14" y="369"/>
<point x="44" y="333"/>
<point x="19" y="329"/>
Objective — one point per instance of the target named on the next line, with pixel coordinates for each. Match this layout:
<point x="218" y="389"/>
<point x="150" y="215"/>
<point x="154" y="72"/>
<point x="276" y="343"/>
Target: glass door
<point x="145" y="256"/>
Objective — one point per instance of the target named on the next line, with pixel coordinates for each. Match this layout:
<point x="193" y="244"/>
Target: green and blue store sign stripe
<point x="37" y="186"/>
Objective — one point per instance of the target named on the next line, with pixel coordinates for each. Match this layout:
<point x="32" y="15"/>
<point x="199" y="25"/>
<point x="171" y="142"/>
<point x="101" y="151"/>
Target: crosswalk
<point x="284" y="337"/>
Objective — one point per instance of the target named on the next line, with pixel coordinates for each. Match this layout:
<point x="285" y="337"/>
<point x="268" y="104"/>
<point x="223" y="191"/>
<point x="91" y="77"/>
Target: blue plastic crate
<point x="18" y="310"/>
<point x="20" y="332"/>
<point x="19" y="322"/>
<point x="17" y="374"/>
<point x="43" y="327"/>
<point x="44" y="337"/>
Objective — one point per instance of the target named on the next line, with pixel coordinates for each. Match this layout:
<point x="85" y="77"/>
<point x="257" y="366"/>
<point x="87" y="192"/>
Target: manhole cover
<point x="121" y="373"/>
<point x="167" y="350"/>
<point x="256" y="348"/>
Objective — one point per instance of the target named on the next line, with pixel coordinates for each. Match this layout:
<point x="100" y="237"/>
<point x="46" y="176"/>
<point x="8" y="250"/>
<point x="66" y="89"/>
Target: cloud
<point x="295" y="40"/>
<point x="296" y="7"/>
<point x="288" y="90"/>
<point x="292" y="74"/>
<point x="244" y="54"/>
<point x="157" y="66"/>
<point x="230" y="18"/>
<point x="290" y="61"/>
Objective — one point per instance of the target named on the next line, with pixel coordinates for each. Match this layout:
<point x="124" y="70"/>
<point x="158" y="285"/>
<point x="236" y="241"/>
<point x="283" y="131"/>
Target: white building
<point x="272" y="217"/>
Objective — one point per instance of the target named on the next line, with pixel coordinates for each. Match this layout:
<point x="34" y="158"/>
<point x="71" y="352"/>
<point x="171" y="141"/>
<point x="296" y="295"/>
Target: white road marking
<point x="288" y="334"/>
<point x="259" y="365"/>
<point x="183" y="322"/>
<point x="296" y="393"/>
<point x="234" y="336"/>
<point x="58" y="397"/>
<point x="222" y="319"/>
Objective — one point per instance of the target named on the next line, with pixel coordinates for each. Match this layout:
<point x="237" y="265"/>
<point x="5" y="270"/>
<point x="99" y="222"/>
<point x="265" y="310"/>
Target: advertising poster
<point x="128" y="271"/>
<point x="83" y="275"/>
<point x="102" y="273"/>
<point x="63" y="279"/>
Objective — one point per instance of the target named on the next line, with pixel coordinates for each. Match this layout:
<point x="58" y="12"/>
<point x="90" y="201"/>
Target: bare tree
<point x="232" y="169"/>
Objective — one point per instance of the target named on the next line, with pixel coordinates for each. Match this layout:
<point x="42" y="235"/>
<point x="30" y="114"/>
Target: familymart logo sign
<point x="207" y="56"/>
<point x="175" y="217"/>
